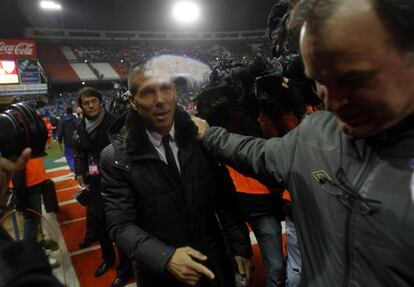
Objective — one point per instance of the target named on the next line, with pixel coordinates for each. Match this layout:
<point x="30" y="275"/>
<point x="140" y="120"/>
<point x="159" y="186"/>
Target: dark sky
<point x="148" y="15"/>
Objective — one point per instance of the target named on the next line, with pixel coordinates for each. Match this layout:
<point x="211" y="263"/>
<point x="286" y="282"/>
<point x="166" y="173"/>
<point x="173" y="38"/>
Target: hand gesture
<point x="184" y="267"/>
<point x="202" y="126"/>
<point x="79" y="180"/>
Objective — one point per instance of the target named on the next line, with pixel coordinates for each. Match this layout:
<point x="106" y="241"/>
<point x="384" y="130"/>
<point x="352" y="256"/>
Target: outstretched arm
<point x="7" y="168"/>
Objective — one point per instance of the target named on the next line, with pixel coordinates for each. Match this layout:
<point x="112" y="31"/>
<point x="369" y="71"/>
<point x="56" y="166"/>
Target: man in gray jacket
<point x="351" y="168"/>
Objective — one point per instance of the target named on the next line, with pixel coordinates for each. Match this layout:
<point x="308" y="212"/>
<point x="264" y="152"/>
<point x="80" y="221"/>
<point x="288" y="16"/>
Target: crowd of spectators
<point x="131" y="55"/>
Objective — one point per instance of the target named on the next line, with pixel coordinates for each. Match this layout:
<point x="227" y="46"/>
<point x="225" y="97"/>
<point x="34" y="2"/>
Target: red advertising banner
<point x="15" y="49"/>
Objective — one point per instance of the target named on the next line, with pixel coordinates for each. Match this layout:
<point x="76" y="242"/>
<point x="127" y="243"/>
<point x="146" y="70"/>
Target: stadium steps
<point x="106" y="70"/>
<point x="84" y="72"/>
<point x="69" y="54"/>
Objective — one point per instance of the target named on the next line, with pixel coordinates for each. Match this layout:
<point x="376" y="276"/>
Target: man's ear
<point x="131" y="101"/>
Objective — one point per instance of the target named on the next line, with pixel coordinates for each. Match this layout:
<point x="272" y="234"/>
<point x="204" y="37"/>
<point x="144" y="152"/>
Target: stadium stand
<point x="55" y="64"/>
<point x="51" y="54"/>
<point x="61" y="72"/>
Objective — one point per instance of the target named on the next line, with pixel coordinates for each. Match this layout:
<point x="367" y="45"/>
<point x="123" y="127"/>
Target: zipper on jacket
<point x="361" y="177"/>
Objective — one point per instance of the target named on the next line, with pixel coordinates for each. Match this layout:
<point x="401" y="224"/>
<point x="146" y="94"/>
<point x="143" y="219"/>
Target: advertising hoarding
<point x="14" y="49"/>
<point x="28" y="71"/>
<point x="8" y="72"/>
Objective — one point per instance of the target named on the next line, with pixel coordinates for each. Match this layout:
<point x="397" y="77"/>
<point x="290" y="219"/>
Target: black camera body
<point x="238" y="94"/>
<point x="83" y="195"/>
<point x="21" y="126"/>
<point x="120" y="102"/>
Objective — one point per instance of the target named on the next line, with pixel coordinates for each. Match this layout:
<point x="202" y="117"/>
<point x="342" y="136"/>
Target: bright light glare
<point x="50" y="5"/>
<point x="186" y="12"/>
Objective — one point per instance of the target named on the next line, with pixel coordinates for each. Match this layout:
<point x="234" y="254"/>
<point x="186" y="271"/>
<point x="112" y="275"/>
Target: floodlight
<point x="186" y="11"/>
<point x="50" y="5"/>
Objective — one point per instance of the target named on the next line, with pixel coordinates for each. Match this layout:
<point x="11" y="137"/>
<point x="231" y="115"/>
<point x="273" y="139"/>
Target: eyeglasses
<point x="92" y="102"/>
<point x="346" y="195"/>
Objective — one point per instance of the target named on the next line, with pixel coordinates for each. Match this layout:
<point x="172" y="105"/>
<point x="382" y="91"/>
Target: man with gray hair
<point x="351" y="168"/>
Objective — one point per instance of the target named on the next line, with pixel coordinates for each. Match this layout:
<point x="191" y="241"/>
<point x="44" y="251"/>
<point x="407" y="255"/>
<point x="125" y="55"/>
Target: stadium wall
<point x="59" y="34"/>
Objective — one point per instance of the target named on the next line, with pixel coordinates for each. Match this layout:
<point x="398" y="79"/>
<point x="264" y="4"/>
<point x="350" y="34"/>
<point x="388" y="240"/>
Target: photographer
<point x="281" y="110"/>
<point x="27" y="186"/>
<point x="21" y="263"/>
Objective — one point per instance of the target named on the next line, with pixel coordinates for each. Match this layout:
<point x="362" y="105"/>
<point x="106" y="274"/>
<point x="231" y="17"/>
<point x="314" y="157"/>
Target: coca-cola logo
<point x="21" y="48"/>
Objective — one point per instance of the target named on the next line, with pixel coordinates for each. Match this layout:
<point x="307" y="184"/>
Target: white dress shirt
<point x="156" y="140"/>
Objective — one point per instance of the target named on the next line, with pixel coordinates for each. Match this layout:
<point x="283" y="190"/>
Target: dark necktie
<point x="169" y="155"/>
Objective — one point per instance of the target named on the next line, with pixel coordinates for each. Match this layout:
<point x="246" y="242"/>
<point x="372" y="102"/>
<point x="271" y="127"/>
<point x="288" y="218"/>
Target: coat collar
<point x="136" y="139"/>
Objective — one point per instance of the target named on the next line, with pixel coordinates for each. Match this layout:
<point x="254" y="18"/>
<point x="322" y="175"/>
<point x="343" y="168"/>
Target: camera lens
<point x="21" y="127"/>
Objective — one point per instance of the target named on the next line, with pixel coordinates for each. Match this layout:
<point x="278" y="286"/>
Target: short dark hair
<point x="133" y="86"/>
<point x="397" y="16"/>
<point x="69" y="110"/>
<point x="89" y="92"/>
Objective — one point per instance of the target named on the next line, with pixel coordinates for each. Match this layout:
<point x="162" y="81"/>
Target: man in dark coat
<point x="167" y="202"/>
<point x="91" y="137"/>
<point x="89" y="140"/>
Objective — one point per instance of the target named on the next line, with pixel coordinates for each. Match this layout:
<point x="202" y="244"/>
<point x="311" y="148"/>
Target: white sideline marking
<point x="73" y="220"/>
<point x="58" y="168"/>
<point x="85" y="250"/>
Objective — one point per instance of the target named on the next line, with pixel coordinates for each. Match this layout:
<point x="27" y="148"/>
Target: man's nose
<point x="159" y="96"/>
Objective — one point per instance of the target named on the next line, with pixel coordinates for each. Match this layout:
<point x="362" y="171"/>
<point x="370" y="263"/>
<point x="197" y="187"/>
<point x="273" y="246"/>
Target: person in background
<point x="89" y="139"/>
<point x="278" y="116"/>
<point x="349" y="169"/>
<point x="49" y="128"/>
<point x="65" y="133"/>
<point x="263" y="210"/>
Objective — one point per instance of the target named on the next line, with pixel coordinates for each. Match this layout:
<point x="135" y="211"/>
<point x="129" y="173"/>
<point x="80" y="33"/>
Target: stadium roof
<point x="143" y="15"/>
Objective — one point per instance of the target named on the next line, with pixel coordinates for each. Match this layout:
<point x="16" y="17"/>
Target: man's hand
<point x="244" y="267"/>
<point x="183" y="267"/>
<point x="7" y="168"/>
<point x="79" y="180"/>
<point x="202" y="126"/>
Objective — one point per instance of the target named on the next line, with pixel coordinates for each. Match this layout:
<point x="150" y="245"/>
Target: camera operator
<point x="22" y="263"/>
<point x="281" y="110"/>
<point x="27" y="187"/>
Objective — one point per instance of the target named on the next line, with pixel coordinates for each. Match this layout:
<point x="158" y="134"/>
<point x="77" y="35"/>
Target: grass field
<point x="55" y="157"/>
